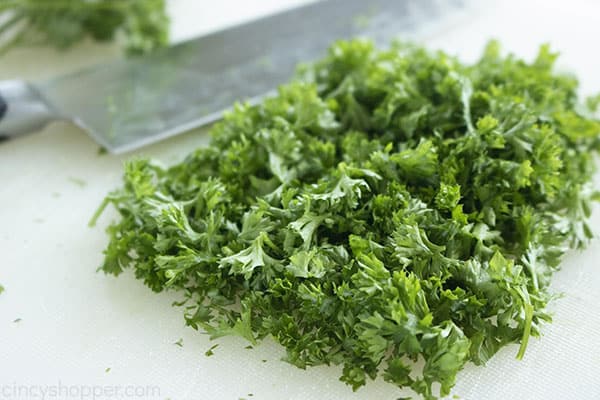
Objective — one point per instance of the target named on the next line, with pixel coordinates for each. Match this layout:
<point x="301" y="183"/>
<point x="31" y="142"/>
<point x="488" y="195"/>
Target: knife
<point x="129" y="103"/>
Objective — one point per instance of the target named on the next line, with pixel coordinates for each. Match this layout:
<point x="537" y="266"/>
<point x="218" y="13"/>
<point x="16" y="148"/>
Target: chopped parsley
<point x="210" y="352"/>
<point x="78" y="182"/>
<point x="386" y="208"/>
<point x="143" y="24"/>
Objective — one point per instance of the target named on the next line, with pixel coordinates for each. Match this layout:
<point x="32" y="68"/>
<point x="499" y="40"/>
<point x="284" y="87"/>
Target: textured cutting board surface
<point x="85" y="335"/>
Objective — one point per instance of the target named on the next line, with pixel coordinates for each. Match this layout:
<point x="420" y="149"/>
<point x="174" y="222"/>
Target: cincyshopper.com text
<point x="62" y="391"/>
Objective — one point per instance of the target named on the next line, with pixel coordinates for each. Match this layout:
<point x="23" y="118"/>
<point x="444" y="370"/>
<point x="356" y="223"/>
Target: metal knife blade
<point x="130" y="103"/>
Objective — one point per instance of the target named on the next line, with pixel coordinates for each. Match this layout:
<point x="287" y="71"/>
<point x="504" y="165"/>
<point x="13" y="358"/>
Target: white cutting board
<point x="76" y="323"/>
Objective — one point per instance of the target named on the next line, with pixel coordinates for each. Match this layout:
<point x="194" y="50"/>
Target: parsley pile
<point x="394" y="211"/>
<point x="62" y="23"/>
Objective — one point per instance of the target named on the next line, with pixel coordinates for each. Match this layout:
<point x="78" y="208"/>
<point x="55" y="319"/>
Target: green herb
<point x="179" y="342"/>
<point x="17" y="320"/>
<point x="62" y="23"/>
<point x="1" y="289"/>
<point x="107" y="370"/>
<point x="210" y="351"/>
<point x="77" y="181"/>
<point x="386" y="208"/>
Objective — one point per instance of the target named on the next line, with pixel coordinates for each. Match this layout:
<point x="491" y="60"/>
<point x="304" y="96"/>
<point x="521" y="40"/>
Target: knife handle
<point x="22" y="109"/>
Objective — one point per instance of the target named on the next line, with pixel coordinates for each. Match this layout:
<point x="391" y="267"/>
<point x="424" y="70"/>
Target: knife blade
<point x="129" y="103"/>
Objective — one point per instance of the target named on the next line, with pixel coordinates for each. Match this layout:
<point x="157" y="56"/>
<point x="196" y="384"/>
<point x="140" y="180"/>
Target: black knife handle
<point x="3" y="106"/>
<point x="22" y="109"/>
<point x="3" y="110"/>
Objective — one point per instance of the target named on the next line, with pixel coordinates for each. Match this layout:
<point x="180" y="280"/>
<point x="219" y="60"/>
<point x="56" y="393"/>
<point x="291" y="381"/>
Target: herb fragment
<point x="179" y="342"/>
<point x="210" y="351"/>
<point x="1" y="289"/>
<point x="388" y="206"/>
<point x="78" y="181"/>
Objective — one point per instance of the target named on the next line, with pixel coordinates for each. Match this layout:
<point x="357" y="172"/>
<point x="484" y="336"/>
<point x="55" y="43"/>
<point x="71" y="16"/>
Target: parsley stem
<point x="526" y="330"/>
